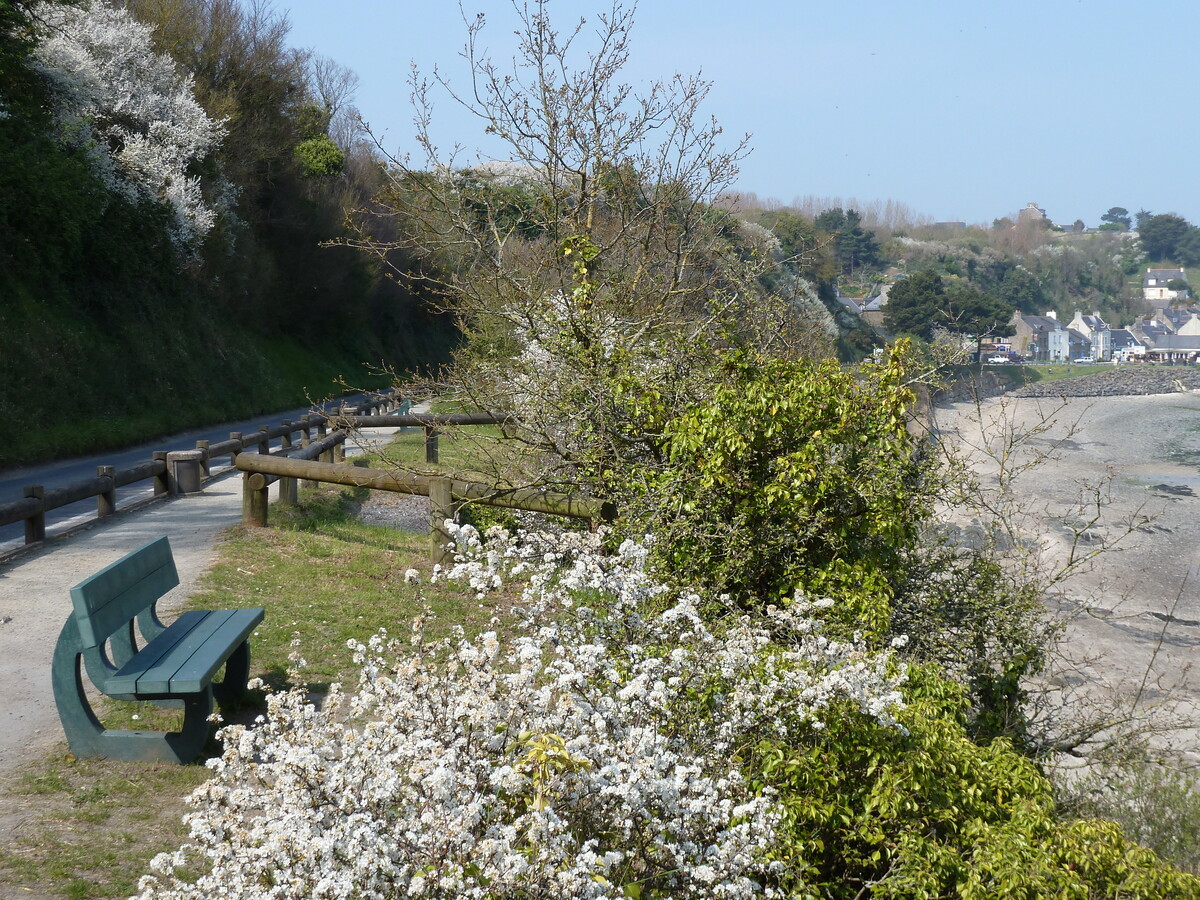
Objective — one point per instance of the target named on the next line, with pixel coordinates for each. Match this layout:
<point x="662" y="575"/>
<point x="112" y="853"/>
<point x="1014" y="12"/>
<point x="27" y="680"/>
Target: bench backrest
<point x="117" y="593"/>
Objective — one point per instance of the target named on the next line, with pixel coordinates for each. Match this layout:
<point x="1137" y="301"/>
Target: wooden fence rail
<point x="179" y="471"/>
<point x="445" y="494"/>
<point x="431" y="422"/>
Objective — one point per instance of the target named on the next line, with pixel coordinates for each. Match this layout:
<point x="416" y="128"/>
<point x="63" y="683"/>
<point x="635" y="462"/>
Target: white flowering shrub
<point x="129" y="109"/>
<point x="594" y="755"/>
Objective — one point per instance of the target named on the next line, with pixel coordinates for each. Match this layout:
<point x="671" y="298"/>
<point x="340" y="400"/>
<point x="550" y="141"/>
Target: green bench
<point x="171" y="664"/>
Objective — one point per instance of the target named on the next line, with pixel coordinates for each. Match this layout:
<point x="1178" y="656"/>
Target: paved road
<point x="35" y="593"/>
<point x="56" y="474"/>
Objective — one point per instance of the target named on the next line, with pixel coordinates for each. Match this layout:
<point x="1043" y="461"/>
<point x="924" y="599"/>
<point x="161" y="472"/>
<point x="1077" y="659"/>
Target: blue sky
<point x="960" y="109"/>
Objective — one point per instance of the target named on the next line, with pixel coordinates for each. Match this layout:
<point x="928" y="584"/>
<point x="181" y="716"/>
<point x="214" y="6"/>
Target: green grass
<point x="1030" y="373"/>
<point x="88" y="828"/>
<point x="1060" y="371"/>
<point x="474" y="451"/>
<point x="91" y="827"/>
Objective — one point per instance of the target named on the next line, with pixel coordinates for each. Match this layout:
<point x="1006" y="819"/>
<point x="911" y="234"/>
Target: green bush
<point x="320" y="156"/>
<point x="924" y="811"/>
<point x="797" y="475"/>
<point x="1155" y="803"/>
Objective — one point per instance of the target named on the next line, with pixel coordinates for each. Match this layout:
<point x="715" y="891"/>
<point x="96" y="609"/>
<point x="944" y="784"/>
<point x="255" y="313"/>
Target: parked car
<point x="1085" y="359"/>
<point x="998" y="360"/>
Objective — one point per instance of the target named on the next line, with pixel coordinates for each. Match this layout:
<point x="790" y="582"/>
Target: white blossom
<point x="129" y="110"/>
<point x="572" y="760"/>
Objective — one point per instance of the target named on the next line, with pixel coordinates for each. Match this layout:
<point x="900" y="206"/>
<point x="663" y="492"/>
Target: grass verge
<point x="88" y="828"/>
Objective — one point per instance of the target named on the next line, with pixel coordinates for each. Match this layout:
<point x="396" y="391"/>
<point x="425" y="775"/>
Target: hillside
<point x="170" y="205"/>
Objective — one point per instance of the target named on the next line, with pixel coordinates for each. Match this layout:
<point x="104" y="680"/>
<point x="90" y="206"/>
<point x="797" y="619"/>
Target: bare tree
<point x="334" y="86"/>
<point x="592" y="251"/>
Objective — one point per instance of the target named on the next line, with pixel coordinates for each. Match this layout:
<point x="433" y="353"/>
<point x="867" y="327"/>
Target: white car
<point x="1085" y="359"/>
<point x="998" y="360"/>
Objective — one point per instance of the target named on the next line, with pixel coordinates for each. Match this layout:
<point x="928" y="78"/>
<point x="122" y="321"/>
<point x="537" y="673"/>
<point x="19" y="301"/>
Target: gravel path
<point x="35" y="598"/>
<point x="35" y="593"/>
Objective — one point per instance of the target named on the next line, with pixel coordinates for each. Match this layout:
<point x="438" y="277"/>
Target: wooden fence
<point x="445" y="494"/>
<point x="433" y="423"/>
<point x="179" y="471"/>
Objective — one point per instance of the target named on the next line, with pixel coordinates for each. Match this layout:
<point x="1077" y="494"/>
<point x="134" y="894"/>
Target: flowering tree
<point x="595" y="756"/>
<point x="130" y="110"/>
<point x="620" y="746"/>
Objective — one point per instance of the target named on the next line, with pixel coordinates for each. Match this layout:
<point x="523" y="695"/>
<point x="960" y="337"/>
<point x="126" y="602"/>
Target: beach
<point x="1086" y="473"/>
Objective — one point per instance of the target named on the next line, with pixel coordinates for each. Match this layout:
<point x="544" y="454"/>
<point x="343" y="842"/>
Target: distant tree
<point x="334" y="86"/>
<point x="1078" y="226"/>
<point x="798" y="242"/>
<point x="1118" y="216"/>
<point x="1187" y="251"/>
<point x="919" y="304"/>
<point x="914" y="303"/>
<point x="131" y="111"/>
<point x="1141" y="216"/>
<point x="969" y="311"/>
<point x="1018" y="289"/>
<point x="1163" y="235"/>
<point x="855" y="246"/>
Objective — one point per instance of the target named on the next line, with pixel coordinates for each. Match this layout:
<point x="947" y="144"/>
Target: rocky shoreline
<point x="1122" y="381"/>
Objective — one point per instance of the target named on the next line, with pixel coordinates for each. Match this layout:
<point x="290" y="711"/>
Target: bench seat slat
<point x="195" y="673"/>
<point x="125" y="680"/>
<point x="183" y="659"/>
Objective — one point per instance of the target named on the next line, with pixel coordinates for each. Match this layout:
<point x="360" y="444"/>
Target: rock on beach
<point x="1122" y="381"/>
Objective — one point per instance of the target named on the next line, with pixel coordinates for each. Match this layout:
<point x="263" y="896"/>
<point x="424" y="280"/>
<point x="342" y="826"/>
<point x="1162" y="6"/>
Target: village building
<point x="1033" y="213"/>
<point x="1155" y="286"/>
<point x="1169" y="335"/>
<point x="1045" y="339"/>
<point x="1125" y="347"/>
<point x="1096" y="330"/>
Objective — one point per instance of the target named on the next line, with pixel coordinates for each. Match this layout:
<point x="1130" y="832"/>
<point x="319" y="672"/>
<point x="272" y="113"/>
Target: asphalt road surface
<point x="57" y="474"/>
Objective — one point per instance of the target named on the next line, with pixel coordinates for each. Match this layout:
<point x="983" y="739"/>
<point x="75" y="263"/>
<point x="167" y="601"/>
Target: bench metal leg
<point x="87" y="736"/>
<point x="237" y="673"/>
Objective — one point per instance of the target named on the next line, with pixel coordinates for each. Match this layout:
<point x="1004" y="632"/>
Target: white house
<point x="1096" y="330"/>
<point x="1154" y="285"/>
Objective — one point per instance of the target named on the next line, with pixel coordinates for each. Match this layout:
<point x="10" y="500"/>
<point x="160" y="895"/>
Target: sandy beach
<point x="1133" y="615"/>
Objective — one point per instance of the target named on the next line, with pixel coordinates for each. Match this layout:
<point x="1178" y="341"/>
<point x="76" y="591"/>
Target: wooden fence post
<point x="441" y="508"/>
<point x="35" y="525"/>
<point x="431" y="444"/>
<point x="289" y="491"/>
<point x="235" y="436"/>
<point x="254" y="500"/>
<point x="288" y="487"/>
<point x="106" y="502"/>
<point x="305" y="441"/>
<point x="264" y="440"/>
